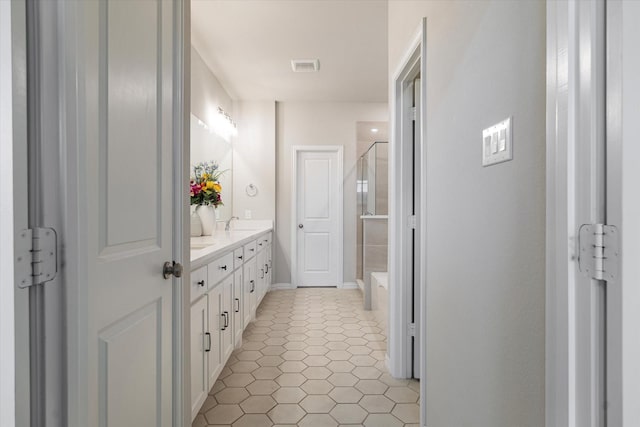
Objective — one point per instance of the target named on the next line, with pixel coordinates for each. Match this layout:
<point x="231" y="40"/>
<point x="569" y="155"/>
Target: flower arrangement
<point x="205" y="184"/>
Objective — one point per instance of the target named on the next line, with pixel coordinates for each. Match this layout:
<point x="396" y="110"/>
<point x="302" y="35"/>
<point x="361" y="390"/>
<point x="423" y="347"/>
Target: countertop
<point x="205" y="249"/>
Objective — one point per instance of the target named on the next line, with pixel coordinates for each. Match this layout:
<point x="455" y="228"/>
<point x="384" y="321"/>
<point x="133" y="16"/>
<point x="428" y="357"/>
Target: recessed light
<point x="374" y="130"/>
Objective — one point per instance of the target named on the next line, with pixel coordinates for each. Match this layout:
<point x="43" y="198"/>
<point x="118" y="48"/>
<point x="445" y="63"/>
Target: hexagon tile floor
<point x="312" y="358"/>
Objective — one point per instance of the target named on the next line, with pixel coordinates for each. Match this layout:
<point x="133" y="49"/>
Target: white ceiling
<point x="248" y="44"/>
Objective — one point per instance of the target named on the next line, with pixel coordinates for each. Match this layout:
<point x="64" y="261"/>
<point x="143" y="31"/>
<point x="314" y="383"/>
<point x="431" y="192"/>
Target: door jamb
<point x="339" y="149"/>
<point x="399" y="353"/>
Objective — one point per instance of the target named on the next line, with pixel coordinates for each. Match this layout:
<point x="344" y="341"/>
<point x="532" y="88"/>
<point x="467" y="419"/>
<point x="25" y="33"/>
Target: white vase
<point x="207" y="216"/>
<point x="196" y="225"/>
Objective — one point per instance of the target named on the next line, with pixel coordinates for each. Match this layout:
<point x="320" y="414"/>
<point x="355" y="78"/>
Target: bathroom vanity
<point x="230" y="274"/>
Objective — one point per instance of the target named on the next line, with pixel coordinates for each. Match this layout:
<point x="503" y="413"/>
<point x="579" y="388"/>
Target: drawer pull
<point x="262" y="271"/>
<point x="266" y="267"/>
<point x="224" y="322"/>
<point x="239" y="256"/>
<point x="253" y="286"/>
<point x="237" y="305"/>
<point x="251" y="249"/>
<point x="209" y="342"/>
<point x="226" y="319"/>
<point x="201" y="282"/>
<point x="259" y="244"/>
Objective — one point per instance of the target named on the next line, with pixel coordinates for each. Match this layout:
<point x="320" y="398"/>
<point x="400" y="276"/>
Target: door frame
<point x="401" y="161"/>
<point x="339" y="150"/>
<point x="575" y="194"/>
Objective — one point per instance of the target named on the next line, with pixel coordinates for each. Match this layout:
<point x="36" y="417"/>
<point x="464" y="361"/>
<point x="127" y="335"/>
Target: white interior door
<point x="121" y="369"/>
<point x="318" y="199"/>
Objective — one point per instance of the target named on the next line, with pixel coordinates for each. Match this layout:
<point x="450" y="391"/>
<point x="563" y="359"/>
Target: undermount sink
<point x="195" y="245"/>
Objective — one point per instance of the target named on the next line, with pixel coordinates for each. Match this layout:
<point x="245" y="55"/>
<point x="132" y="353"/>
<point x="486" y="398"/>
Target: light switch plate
<point x="497" y="143"/>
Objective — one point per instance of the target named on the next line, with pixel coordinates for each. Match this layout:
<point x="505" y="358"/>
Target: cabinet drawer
<point x="198" y="285"/>
<point x="238" y="258"/>
<point x="265" y="240"/>
<point x="220" y="268"/>
<point x="250" y="250"/>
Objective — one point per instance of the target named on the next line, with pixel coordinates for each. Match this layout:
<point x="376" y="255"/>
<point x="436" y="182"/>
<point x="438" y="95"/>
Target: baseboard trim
<point x="349" y="285"/>
<point x="277" y="286"/>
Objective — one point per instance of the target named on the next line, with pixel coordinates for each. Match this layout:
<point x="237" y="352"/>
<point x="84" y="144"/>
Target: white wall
<point x="486" y="226"/>
<point x="254" y="159"/>
<point x="309" y="123"/>
<point x="7" y="360"/>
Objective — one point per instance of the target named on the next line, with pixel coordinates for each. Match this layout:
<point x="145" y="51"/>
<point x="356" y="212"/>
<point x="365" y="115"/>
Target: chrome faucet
<point x="227" y="226"/>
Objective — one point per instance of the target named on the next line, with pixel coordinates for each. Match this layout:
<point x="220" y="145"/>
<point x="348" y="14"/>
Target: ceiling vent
<point x="305" y="65"/>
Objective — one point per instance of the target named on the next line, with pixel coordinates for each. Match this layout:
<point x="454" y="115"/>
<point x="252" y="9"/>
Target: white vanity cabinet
<point x="224" y="294"/>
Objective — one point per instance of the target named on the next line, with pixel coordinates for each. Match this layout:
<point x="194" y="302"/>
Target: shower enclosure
<point x="372" y="191"/>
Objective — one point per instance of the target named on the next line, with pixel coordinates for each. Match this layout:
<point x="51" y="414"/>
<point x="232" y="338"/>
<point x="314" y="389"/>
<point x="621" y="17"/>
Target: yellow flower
<point x="205" y="176"/>
<point x="217" y="187"/>
<point x="210" y="185"/>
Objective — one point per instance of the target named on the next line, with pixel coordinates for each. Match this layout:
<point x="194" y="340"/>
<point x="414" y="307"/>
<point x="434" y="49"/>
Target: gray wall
<point x="485" y="259"/>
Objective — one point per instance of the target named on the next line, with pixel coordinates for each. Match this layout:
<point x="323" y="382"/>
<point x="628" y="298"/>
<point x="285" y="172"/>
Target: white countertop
<point x="206" y="248"/>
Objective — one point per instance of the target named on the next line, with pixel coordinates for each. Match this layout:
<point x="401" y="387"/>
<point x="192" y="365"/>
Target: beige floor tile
<point x="289" y="395"/>
<point x="257" y="404"/>
<point x="200" y="421"/>
<point x="316" y="373"/>
<point x="292" y="366"/>
<point x="238" y="380"/>
<point x="317" y="404"/>
<point x="253" y="420"/>
<point x="249" y="355"/>
<point x="223" y="414"/>
<point x="345" y="395"/>
<point x="244" y="367"/>
<point x="341" y="366"/>
<point x="376" y="404"/>
<point x="262" y="387"/>
<point x="343" y="379"/>
<point x="382" y="420"/>
<point x="266" y="373"/>
<point x="232" y="395"/>
<point x="407" y="412"/>
<point x="348" y="413"/>
<point x="273" y="350"/>
<point x="291" y="380"/>
<point x="367" y="373"/>
<point x="402" y="395"/>
<point x="317" y="387"/>
<point x="269" y="361"/>
<point x="316" y="361"/>
<point x="317" y="420"/>
<point x="294" y="355"/>
<point x="371" y="386"/>
<point x="286" y="413"/>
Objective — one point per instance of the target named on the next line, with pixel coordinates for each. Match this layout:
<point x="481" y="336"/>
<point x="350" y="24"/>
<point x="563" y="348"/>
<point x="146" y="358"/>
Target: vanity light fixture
<point x="224" y="125"/>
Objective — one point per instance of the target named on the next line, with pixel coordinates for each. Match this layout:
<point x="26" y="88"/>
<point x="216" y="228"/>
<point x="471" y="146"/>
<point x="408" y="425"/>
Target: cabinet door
<point x="226" y="330"/>
<point x="238" y="298"/>
<point x="249" y="290"/>
<point x="214" y="358"/>
<point x="199" y="345"/>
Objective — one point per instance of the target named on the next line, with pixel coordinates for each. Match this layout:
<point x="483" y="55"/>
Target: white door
<point x="121" y="314"/>
<point x="318" y="219"/>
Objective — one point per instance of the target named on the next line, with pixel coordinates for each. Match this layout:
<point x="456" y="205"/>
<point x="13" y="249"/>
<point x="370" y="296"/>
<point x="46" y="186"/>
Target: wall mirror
<point x="207" y="145"/>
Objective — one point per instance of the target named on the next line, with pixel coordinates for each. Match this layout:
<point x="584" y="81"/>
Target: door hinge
<point x="36" y="256"/>
<point x="413" y="113"/>
<point x="411" y="329"/>
<point x="412" y="222"/>
<point x="599" y="251"/>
